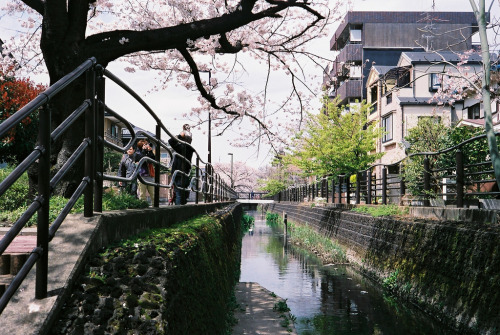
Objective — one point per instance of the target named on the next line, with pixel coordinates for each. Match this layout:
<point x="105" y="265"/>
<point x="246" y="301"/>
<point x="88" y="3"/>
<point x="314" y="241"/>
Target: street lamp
<point x="209" y="169"/>
<point x="232" y="183"/>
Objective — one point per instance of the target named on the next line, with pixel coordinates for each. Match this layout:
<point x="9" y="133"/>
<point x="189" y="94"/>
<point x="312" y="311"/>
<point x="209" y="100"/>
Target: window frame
<point x="388" y="133"/>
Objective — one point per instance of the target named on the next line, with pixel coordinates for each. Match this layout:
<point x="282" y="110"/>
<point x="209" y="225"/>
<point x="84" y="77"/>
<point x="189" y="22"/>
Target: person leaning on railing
<point x="126" y="169"/>
<point x="182" y="180"/>
<point x="146" y="171"/>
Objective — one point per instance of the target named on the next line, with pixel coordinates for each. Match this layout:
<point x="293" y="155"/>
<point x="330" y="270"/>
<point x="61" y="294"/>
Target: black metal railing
<point x="208" y="185"/>
<point x="447" y="178"/>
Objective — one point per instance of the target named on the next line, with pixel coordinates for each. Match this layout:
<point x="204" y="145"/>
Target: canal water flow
<point x="331" y="299"/>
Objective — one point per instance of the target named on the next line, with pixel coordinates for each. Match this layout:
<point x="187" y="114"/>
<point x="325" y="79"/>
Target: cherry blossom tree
<point x="244" y="177"/>
<point x="178" y="39"/>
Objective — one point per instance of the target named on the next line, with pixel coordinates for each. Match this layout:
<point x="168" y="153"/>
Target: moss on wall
<point x="174" y="280"/>
<point x="450" y="269"/>
<point x="202" y="280"/>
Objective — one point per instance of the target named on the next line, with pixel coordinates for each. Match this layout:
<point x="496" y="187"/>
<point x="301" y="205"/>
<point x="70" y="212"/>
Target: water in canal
<point x="326" y="299"/>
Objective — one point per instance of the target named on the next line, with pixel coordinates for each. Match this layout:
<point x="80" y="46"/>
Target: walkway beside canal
<point x="256" y="314"/>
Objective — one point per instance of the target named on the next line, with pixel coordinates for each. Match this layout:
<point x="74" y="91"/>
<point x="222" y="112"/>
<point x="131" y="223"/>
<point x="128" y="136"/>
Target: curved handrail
<point x="93" y="106"/>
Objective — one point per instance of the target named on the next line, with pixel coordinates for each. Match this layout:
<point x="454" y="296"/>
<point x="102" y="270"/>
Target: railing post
<point x="197" y="184"/>
<point x="459" y="158"/>
<point x="42" y="263"/>
<point x="88" y="210"/>
<point x="340" y="189"/>
<point x="369" y="187"/>
<point x="358" y="187"/>
<point x="205" y="189"/>
<point x="347" y="189"/>
<point x="100" y="103"/>
<point x="327" y="194"/>
<point x="313" y="186"/>
<point x="156" y="201"/>
<point x="333" y="190"/>
<point x="384" y="185"/>
<point x="427" y="181"/>
<point x="402" y="186"/>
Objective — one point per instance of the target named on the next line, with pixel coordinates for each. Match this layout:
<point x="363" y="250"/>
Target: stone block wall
<point x="450" y="269"/>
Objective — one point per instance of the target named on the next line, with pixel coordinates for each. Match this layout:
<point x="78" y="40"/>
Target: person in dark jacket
<point x="126" y="169"/>
<point x="182" y="179"/>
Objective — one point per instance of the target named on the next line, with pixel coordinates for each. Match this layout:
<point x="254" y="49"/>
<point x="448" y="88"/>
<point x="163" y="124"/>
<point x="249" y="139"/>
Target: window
<point x="355" y="71"/>
<point x="388" y="99"/>
<point x="474" y="112"/>
<point x="114" y="131"/>
<point x="387" y="125"/>
<point x="436" y="80"/>
<point x="355" y="35"/>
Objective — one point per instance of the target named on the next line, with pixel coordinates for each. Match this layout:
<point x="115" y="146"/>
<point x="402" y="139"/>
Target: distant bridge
<point x="253" y="197"/>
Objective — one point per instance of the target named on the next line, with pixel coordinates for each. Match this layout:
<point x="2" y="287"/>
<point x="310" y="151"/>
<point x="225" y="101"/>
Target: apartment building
<point x="366" y="39"/>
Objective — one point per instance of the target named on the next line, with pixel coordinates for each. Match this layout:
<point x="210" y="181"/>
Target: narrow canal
<point x="325" y="299"/>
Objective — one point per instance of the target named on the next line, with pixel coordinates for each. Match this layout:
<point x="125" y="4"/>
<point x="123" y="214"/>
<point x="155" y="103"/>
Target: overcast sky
<point x="170" y="105"/>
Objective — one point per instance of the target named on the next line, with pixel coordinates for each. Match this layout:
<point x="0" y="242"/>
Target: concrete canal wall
<point x="208" y="259"/>
<point x="450" y="269"/>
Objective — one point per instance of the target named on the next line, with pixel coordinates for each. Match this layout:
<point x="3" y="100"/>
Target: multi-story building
<point x="366" y="39"/>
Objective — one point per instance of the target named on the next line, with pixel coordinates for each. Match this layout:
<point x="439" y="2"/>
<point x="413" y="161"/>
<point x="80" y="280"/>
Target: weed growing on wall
<point x="381" y="210"/>
<point x="247" y="222"/>
<point x="307" y="238"/>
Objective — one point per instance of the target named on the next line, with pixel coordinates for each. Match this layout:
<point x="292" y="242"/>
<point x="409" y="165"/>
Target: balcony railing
<point x="350" y="89"/>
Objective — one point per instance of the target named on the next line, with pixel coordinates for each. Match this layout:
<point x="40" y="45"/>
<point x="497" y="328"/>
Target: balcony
<point x="350" y="89"/>
<point x="350" y="53"/>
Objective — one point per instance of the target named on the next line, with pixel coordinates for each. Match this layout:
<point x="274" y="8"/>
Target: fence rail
<point x="459" y="176"/>
<point x="207" y="184"/>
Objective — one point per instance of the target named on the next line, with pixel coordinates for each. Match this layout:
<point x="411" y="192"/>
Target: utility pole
<point x="232" y="182"/>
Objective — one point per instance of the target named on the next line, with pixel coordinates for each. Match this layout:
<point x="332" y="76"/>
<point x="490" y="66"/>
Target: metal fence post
<point x="333" y="190"/>
<point x="369" y="187"/>
<point x="156" y="201"/>
<point x="340" y="189"/>
<point x="427" y="181"/>
<point x="459" y="158"/>
<point x="358" y="187"/>
<point x="42" y="228"/>
<point x="402" y="186"/>
<point x="384" y="185"/>
<point x="347" y="189"/>
<point x="88" y="210"/>
<point x="99" y="147"/>
<point x="197" y="184"/>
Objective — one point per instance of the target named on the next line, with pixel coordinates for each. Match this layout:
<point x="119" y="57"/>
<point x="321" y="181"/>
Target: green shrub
<point x="380" y="210"/>
<point x="272" y="218"/>
<point x="14" y="202"/>
<point x="17" y="195"/>
<point x="247" y="222"/>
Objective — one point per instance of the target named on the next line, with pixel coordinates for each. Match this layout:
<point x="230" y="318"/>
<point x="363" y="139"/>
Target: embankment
<point x="450" y="269"/>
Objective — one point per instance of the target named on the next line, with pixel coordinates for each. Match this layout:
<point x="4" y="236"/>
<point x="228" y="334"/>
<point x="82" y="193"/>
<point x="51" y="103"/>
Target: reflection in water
<point x="325" y="299"/>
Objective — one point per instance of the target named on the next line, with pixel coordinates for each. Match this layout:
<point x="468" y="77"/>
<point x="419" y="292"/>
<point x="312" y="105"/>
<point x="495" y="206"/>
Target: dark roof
<point x="466" y="18"/>
<point x="382" y="69"/>
<point x="434" y="57"/>
<point x="418" y="101"/>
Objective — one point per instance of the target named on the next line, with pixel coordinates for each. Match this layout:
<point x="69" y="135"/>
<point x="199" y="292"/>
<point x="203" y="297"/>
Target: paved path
<point x="256" y="314"/>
